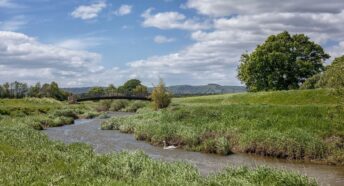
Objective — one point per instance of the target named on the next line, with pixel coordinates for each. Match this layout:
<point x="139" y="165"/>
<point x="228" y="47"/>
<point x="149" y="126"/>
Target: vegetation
<point x="282" y="62"/>
<point x="20" y="90"/>
<point x="160" y="96"/>
<point x="285" y="124"/>
<point x="333" y="77"/>
<point x="28" y="157"/>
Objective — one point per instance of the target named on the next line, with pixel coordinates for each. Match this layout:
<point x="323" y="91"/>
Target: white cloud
<point x="123" y="10"/>
<point x="171" y="20"/>
<point x="220" y="8"/>
<point x="215" y="55"/>
<point x="163" y="39"/>
<point x="80" y="43"/>
<point x="13" y="24"/>
<point x="24" y="58"/>
<point x="86" y="12"/>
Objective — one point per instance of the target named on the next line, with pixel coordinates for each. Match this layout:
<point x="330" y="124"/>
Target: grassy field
<point x="286" y="124"/>
<point x="28" y="157"/>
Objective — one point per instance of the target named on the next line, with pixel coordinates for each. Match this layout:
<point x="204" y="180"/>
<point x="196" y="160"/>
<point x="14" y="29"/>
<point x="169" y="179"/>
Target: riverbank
<point x="28" y="157"/>
<point x="298" y="125"/>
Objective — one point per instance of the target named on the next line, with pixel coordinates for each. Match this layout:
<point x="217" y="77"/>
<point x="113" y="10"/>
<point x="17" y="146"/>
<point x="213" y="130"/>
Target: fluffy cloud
<point x="215" y="55"/>
<point x="233" y="7"/>
<point x="24" y="58"/>
<point x="123" y="10"/>
<point x="163" y="39"/>
<point x="171" y="20"/>
<point x="86" y="12"/>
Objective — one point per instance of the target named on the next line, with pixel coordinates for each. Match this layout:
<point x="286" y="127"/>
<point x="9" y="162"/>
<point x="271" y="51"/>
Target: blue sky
<point x="97" y="42"/>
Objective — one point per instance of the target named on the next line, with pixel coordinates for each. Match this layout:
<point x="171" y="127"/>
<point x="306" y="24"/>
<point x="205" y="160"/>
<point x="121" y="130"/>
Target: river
<point x="104" y="141"/>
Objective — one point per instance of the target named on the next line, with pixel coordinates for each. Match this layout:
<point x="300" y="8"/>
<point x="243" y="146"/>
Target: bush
<point x="104" y="105"/>
<point x="117" y="105"/>
<point x="160" y="96"/>
<point x="136" y="105"/>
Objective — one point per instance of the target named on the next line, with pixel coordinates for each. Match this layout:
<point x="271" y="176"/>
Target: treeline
<point x="20" y="90"/>
<point x="132" y="86"/>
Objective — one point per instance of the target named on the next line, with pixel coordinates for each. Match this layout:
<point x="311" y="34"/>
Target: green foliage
<point x="284" y="124"/>
<point x="333" y="77"/>
<point x="160" y="96"/>
<point x="20" y="90"/>
<point x="117" y="105"/>
<point x="96" y="91"/>
<point x="130" y="85"/>
<point x="140" y="89"/>
<point x="282" y="62"/>
<point x="28" y="157"/>
<point x="136" y="105"/>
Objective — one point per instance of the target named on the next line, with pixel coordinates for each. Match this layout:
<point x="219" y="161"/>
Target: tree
<point x="282" y="62"/>
<point x="111" y="89"/>
<point x="160" y="96"/>
<point x="130" y="85"/>
<point x="96" y="91"/>
<point x="140" y="89"/>
<point x="333" y="77"/>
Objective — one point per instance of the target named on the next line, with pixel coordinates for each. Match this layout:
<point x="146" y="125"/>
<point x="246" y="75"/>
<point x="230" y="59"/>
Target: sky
<point x="97" y="42"/>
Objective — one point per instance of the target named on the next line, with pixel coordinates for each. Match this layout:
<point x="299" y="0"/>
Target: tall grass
<point x="28" y="157"/>
<point x="292" y="125"/>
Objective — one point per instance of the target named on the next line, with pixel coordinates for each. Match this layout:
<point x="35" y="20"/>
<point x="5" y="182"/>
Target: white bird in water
<point x="168" y="147"/>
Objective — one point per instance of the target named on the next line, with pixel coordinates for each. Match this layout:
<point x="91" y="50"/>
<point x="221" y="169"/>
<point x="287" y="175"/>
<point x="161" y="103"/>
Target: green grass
<point x="285" y="124"/>
<point x="28" y="157"/>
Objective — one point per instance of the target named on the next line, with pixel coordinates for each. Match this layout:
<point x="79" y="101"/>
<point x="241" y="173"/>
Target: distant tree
<point x="160" y="96"/>
<point x="111" y="89"/>
<point x="282" y="62"/>
<point x="6" y="88"/>
<point x="96" y="91"/>
<point x="140" y="89"/>
<point x="130" y="85"/>
<point x="34" y="91"/>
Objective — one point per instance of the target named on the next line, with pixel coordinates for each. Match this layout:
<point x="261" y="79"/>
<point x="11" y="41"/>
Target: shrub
<point x="136" y="105"/>
<point x="160" y="96"/>
<point x="104" y="105"/>
<point x="117" y="105"/>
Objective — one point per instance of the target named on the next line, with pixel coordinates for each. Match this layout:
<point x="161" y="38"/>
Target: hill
<point x="183" y="89"/>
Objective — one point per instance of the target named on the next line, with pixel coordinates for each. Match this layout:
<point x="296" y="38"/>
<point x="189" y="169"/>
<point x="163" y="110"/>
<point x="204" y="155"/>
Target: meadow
<point x="28" y="157"/>
<point x="299" y="125"/>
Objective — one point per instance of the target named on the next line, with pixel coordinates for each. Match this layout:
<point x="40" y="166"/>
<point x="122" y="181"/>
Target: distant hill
<point x="77" y="90"/>
<point x="182" y="89"/>
<point x="205" y="89"/>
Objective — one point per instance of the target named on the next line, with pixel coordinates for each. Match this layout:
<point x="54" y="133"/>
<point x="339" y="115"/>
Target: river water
<point x="104" y="141"/>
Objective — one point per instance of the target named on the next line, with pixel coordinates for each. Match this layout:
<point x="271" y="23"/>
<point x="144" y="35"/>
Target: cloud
<point x="163" y="39"/>
<point x="220" y="8"/>
<point x="8" y="4"/>
<point x="24" y="58"/>
<point x="215" y="54"/>
<point x="13" y="24"/>
<point x="171" y="20"/>
<point x="123" y="10"/>
<point x="80" y="43"/>
<point x="86" y="12"/>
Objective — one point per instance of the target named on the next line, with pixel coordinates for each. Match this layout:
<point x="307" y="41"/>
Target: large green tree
<point x="130" y="85"/>
<point x="282" y="62"/>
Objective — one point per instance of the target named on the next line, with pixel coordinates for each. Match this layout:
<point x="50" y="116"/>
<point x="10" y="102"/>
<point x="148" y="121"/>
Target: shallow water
<point x="104" y="141"/>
